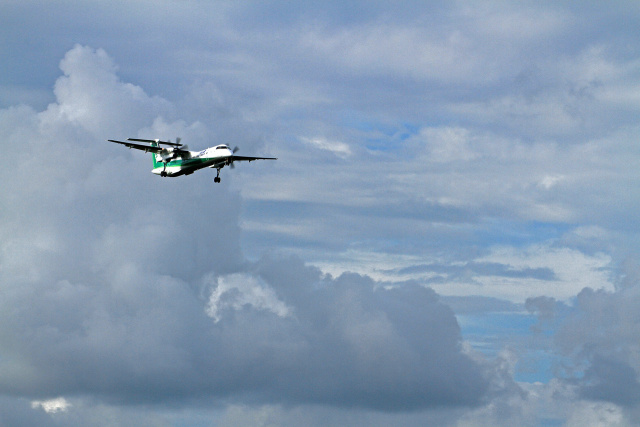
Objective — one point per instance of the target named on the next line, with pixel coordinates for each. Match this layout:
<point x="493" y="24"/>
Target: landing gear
<point x="217" y="178"/>
<point x="164" y="170"/>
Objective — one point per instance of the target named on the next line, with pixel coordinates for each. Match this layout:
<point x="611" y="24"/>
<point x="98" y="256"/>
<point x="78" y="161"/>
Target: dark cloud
<point x="611" y="380"/>
<point x="141" y="338"/>
<point x="403" y="333"/>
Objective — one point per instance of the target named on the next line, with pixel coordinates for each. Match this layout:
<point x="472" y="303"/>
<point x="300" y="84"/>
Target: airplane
<point x="176" y="159"/>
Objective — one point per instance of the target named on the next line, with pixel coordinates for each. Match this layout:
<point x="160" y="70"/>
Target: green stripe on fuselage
<point x="186" y="165"/>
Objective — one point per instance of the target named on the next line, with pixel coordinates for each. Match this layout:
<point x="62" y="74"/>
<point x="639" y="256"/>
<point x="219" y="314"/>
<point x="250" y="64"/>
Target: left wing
<point x="145" y="148"/>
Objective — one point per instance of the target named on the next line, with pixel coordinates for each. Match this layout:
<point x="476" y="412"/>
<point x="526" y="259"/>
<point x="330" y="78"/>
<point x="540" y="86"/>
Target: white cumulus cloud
<point x="52" y="406"/>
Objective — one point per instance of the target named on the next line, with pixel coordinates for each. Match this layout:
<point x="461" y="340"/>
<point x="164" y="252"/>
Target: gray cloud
<point x="390" y="332"/>
<point x="611" y="380"/>
<point x="598" y="341"/>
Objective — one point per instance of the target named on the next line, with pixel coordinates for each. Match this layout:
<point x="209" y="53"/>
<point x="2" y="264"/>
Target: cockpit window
<point x="222" y="147"/>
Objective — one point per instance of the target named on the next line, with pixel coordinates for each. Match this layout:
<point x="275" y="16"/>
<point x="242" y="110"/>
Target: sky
<point x="448" y="237"/>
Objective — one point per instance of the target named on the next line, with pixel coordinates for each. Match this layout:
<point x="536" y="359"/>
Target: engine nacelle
<point x="169" y="154"/>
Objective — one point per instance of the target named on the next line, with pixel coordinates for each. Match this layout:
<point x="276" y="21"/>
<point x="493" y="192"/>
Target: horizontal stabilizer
<point x="145" y="148"/>
<point x="157" y="141"/>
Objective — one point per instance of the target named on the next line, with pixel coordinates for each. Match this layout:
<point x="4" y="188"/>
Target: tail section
<point x="156" y="163"/>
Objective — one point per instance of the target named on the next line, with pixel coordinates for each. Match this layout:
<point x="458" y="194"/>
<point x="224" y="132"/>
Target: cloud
<point x="598" y="341"/>
<point x="338" y="148"/>
<point x="123" y="289"/>
<point x="237" y="291"/>
<point x="51" y="406"/>
<point x="391" y="332"/>
<point x="593" y="345"/>
<point x="91" y="96"/>
<point x="507" y="272"/>
<point x="99" y="243"/>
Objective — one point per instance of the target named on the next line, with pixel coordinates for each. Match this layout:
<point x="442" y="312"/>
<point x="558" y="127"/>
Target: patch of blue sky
<point x="490" y="333"/>
<point x="383" y="136"/>
<point x="497" y="327"/>
<point x="528" y="334"/>
<point x="392" y="138"/>
<point x="534" y="366"/>
<point x="410" y="130"/>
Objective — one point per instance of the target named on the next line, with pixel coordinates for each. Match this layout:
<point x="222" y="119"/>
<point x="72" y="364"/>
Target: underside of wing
<point x="145" y="148"/>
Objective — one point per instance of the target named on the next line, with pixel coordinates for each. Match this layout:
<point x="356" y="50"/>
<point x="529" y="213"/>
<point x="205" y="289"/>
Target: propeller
<point x="234" y="151"/>
<point x="182" y="146"/>
<point x="174" y="151"/>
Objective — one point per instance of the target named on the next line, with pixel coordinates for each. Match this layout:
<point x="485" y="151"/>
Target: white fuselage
<point x="213" y="157"/>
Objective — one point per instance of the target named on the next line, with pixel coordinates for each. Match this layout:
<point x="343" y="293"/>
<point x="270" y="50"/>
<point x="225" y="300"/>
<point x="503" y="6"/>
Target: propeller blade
<point x="178" y="140"/>
<point x="235" y="149"/>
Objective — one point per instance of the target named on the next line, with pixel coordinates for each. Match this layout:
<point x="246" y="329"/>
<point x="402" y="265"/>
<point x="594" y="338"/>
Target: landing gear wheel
<point x="216" y="179"/>
<point x="163" y="174"/>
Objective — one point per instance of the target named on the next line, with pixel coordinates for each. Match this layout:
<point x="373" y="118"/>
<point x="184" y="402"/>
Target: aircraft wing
<point x="250" y="159"/>
<point x="145" y="148"/>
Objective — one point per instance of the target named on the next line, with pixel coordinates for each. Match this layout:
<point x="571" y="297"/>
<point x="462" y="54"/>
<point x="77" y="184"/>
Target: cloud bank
<point x="116" y="287"/>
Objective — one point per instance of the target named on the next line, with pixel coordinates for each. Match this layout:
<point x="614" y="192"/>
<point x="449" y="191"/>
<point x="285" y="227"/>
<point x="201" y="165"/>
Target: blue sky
<point x="449" y="235"/>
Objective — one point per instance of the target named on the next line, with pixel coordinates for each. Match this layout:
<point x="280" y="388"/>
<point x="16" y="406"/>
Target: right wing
<point x="250" y="159"/>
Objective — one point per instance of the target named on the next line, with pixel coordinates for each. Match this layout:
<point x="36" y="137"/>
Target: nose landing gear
<point x="217" y="178"/>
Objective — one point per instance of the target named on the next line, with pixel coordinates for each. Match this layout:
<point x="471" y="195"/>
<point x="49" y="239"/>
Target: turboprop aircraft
<point x="175" y="159"/>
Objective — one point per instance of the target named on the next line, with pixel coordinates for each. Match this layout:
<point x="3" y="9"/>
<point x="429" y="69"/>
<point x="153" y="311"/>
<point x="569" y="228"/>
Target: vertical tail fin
<point x="156" y="163"/>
